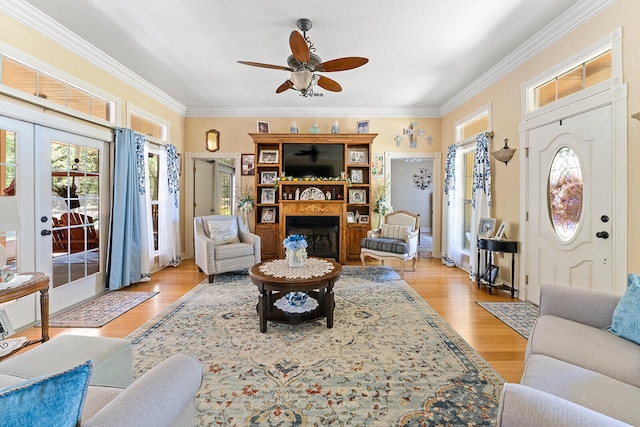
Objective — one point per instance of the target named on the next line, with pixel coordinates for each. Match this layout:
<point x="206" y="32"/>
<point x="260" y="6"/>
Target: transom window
<point x="586" y="74"/>
<point x="33" y="81"/>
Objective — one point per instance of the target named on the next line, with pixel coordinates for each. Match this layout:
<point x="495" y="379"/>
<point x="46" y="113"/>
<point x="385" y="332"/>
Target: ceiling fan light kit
<point x="304" y="64"/>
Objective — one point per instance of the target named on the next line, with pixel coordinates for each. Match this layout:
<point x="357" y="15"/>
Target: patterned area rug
<point x="519" y="316"/>
<point x="390" y="359"/>
<point x="99" y="311"/>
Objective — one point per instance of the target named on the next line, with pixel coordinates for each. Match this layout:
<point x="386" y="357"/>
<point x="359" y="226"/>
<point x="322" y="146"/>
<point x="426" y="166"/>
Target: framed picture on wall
<point x="248" y="164"/>
<point x="377" y="165"/>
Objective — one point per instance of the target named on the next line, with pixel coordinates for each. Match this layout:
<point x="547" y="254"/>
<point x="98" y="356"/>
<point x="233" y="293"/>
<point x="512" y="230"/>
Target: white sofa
<point x="577" y="373"/>
<point x="162" y="397"/>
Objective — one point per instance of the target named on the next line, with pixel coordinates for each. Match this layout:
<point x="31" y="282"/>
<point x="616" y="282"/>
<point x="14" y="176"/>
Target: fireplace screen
<point x="321" y="232"/>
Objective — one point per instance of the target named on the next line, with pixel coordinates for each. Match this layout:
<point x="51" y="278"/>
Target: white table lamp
<point x="9" y="221"/>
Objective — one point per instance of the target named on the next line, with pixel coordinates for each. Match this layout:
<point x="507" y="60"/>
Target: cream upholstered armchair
<point x="397" y="239"/>
<point x="223" y="243"/>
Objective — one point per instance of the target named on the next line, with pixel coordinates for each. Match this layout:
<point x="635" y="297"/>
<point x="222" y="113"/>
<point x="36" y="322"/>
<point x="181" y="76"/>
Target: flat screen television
<point x="313" y="160"/>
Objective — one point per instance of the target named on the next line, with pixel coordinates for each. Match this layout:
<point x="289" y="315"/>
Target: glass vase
<point x="296" y="257"/>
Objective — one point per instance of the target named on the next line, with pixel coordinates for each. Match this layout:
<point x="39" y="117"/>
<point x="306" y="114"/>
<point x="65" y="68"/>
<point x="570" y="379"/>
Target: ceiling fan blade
<point x="328" y="84"/>
<point x="299" y="47"/>
<point x="341" y="64"/>
<point x="261" y="65"/>
<point x="284" y="86"/>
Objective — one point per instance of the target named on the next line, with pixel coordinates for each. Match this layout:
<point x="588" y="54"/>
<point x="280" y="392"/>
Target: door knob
<point x="604" y="218"/>
<point x="45" y="232"/>
<point x="602" y="235"/>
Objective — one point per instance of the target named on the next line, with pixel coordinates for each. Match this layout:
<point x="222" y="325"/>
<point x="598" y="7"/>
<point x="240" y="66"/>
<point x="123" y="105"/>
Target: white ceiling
<point x="422" y="53"/>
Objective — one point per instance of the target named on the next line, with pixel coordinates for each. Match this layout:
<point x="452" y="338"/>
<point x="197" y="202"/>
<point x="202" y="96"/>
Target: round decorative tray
<point x="312" y="193"/>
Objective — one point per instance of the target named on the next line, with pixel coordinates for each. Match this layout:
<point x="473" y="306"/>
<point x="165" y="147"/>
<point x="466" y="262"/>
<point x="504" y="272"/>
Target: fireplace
<point x="322" y="233"/>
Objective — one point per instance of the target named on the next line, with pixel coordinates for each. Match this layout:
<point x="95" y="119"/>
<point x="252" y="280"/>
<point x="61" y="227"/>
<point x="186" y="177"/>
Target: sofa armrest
<point x="584" y="306"/>
<point x="254" y="239"/>
<point x="156" y="399"/>
<point x="522" y="406"/>
<point x="375" y="233"/>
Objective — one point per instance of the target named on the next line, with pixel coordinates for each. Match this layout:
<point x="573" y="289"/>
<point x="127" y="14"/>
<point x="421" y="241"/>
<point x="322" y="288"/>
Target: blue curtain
<point x="126" y="239"/>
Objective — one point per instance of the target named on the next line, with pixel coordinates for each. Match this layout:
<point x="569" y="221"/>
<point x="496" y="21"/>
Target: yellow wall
<point x="505" y="98"/>
<point x="32" y="43"/>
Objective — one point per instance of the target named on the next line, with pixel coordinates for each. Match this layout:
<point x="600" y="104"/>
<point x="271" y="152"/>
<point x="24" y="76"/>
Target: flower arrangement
<point x="245" y="202"/>
<point x="295" y="242"/>
<point x="382" y="207"/>
<point x="296" y="247"/>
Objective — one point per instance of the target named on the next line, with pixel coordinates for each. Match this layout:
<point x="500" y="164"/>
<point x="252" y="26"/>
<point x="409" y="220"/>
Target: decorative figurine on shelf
<point x="314" y="128"/>
<point x="335" y="128"/>
<point x="294" y="127"/>
<point x="297" y="193"/>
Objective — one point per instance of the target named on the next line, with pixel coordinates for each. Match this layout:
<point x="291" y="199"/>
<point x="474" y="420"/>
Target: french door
<point x="58" y="179"/>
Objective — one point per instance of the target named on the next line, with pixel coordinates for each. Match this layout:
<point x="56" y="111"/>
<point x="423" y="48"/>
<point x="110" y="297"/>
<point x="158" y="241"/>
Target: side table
<point x="490" y="246"/>
<point x="38" y="282"/>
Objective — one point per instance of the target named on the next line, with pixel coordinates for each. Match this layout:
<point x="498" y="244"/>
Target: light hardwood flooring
<point x="448" y="290"/>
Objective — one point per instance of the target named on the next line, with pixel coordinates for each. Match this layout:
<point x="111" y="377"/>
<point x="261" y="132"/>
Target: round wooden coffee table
<point x="272" y="288"/>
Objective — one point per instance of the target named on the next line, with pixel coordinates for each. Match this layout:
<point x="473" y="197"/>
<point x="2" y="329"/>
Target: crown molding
<point x="580" y="13"/>
<point x="556" y="30"/>
<point x="31" y="17"/>
<point x="356" y="112"/>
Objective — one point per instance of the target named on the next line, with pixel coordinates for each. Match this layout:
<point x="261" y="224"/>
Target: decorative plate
<point x="312" y="193"/>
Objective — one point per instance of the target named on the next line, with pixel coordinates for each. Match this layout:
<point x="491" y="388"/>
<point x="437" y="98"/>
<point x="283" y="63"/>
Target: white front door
<point x="570" y="204"/>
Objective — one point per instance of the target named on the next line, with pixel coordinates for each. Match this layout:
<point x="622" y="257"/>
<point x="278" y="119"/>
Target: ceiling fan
<point x="304" y="64"/>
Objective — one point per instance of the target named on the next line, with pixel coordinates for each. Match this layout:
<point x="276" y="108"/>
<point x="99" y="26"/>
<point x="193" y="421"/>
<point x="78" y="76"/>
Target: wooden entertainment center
<point x="312" y="200"/>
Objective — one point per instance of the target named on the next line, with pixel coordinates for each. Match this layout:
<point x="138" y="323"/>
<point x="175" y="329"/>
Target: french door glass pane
<point x="7" y="185"/>
<point x="75" y="202"/>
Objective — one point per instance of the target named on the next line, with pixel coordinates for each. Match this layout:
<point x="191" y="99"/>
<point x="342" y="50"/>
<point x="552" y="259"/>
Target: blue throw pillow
<point x="47" y="400"/>
<point x="626" y="316"/>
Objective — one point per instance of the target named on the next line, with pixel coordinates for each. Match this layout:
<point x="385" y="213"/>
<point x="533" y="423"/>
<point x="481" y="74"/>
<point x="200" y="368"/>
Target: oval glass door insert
<point x="565" y="193"/>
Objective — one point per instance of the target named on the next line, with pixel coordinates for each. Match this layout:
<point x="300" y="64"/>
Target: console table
<point x="37" y="282"/>
<point x="485" y="276"/>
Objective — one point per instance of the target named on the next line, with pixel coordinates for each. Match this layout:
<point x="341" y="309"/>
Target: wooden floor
<point x="448" y="290"/>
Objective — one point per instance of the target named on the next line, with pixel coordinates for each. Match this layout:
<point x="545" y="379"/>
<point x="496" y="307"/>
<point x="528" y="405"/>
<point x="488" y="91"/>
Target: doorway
<point x="211" y="186"/>
<point x="414" y="179"/>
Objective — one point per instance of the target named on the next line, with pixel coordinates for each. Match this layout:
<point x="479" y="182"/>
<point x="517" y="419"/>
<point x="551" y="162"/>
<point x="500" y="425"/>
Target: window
<point x="156" y="133"/>
<point x="153" y="170"/>
<point x="465" y="134"/>
<point x="32" y="81"/>
<point x="587" y="73"/>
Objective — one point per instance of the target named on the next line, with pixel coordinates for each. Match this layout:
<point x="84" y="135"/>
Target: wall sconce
<point x="213" y="140"/>
<point x="505" y="153"/>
